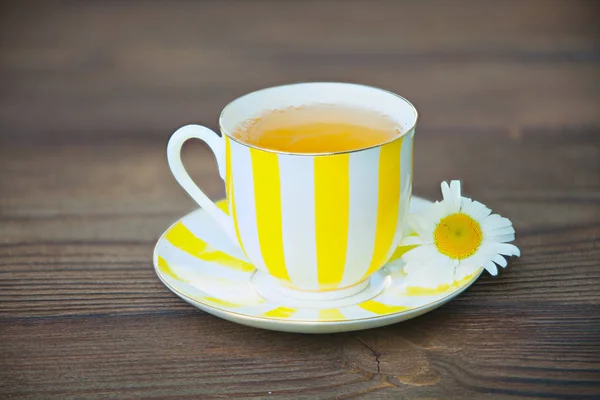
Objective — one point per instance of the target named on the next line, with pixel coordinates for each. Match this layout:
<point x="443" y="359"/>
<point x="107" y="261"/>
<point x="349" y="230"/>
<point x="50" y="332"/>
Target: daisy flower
<point x="455" y="238"/>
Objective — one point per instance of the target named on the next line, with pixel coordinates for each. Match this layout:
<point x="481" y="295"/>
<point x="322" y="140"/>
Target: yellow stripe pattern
<point x="280" y="312"/>
<point x="331" y="314"/>
<point x="228" y="171"/>
<point x="388" y="203"/>
<point x="164" y="267"/>
<point x="182" y="238"/>
<point x="399" y="252"/>
<point x="332" y="207"/>
<point x="220" y="302"/>
<point x="381" y="308"/>
<point x="413" y="291"/>
<point x="267" y="197"/>
<point x="229" y="190"/>
<point x="223" y="206"/>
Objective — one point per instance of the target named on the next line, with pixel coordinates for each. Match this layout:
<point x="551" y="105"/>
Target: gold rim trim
<point x="286" y="321"/>
<point x="230" y="136"/>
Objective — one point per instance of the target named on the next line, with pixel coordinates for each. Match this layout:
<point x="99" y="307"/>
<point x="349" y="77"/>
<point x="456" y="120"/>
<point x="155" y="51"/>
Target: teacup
<point x="318" y="223"/>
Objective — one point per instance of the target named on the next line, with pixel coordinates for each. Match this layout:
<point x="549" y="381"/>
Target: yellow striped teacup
<point x="316" y="222"/>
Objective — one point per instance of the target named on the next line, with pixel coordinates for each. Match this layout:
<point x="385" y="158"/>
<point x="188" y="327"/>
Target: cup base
<point x="273" y="290"/>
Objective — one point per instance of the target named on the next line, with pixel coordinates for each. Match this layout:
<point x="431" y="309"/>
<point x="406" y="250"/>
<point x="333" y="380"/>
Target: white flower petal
<point x="465" y="269"/>
<point x="477" y="210"/>
<point x="421" y="225"/>
<point x="456" y="198"/>
<point x="500" y="231"/>
<point x="466" y="206"/>
<point x="420" y="254"/>
<point x="413" y="241"/>
<point x="465" y="203"/>
<point x="417" y="274"/>
<point x="437" y="212"/>
<point x="507" y="237"/>
<point x="445" y="191"/>
<point x="507" y="249"/>
<point x="444" y="268"/>
<point x="477" y="260"/>
<point x="407" y="231"/>
<point x="484" y="253"/>
<point x="452" y="199"/>
<point x="494" y="221"/>
<point x="425" y="210"/>
<point x="491" y="268"/>
<point x="430" y="274"/>
<point x="447" y="195"/>
<point x="501" y="261"/>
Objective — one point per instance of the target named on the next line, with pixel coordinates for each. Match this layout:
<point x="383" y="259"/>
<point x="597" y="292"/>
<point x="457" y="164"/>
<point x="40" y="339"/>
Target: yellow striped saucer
<point x="200" y="264"/>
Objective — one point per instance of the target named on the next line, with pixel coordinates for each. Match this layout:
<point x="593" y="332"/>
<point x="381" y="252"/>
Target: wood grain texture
<point x="144" y="69"/>
<point x="509" y="95"/>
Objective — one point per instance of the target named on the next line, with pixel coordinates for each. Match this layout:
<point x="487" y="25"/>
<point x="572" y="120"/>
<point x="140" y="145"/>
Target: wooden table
<point x="509" y="94"/>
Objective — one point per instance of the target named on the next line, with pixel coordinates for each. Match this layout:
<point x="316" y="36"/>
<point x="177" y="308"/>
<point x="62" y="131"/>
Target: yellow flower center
<point x="458" y="236"/>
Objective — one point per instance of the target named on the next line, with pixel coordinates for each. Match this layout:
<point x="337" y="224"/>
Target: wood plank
<point x="485" y="63"/>
<point x="448" y="95"/>
<point x="519" y="354"/>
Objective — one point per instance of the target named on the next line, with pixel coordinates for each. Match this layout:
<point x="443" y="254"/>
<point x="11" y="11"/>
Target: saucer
<point x="196" y="260"/>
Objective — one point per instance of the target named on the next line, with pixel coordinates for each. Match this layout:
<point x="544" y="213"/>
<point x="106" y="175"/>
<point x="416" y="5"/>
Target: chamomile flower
<point x="455" y="238"/>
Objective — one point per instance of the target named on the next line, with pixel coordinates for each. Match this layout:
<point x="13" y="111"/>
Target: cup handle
<point x="216" y="144"/>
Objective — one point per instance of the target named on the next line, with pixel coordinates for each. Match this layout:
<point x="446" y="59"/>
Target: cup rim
<point x="230" y="136"/>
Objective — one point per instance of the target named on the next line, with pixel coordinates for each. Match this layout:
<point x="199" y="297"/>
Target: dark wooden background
<point x="509" y="96"/>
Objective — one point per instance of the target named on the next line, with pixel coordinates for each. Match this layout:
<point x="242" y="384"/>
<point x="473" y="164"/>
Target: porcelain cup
<point x="315" y="223"/>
